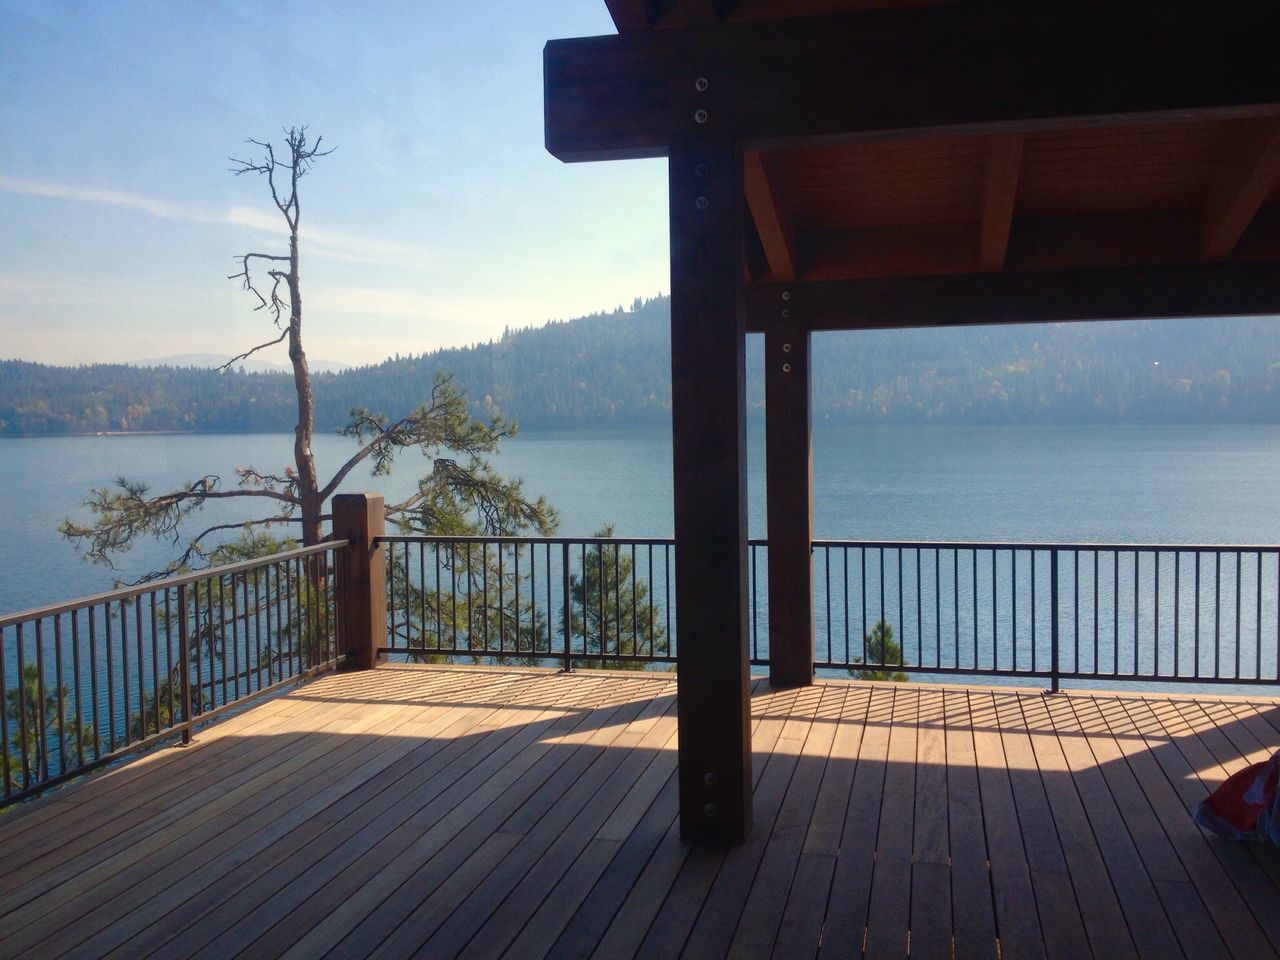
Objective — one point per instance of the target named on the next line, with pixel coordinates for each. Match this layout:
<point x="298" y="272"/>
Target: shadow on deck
<point x="440" y="812"/>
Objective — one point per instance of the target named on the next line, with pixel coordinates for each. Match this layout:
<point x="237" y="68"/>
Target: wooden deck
<point x="444" y="812"/>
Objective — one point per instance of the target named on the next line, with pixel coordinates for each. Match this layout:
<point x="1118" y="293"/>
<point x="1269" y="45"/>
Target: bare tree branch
<point x="252" y="350"/>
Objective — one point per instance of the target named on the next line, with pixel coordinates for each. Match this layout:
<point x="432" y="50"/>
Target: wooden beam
<point x="629" y="15"/>
<point x="948" y="68"/>
<point x="789" y="480"/>
<point x="1111" y="293"/>
<point x="998" y="195"/>
<point x="777" y="235"/>
<point x="1247" y="177"/>
<point x="708" y="432"/>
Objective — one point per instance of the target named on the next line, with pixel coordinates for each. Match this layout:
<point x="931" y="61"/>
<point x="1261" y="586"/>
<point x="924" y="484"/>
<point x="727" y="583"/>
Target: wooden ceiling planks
<point x="1136" y="153"/>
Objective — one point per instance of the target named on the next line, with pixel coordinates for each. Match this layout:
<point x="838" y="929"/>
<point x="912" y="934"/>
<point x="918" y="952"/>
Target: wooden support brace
<point x="361" y="577"/>
<point x="710" y="497"/>
<point x="777" y="235"/>
<point x="789" y="470"/>
<point x="1246" y="179"/>
<point x="1001" y="189"/>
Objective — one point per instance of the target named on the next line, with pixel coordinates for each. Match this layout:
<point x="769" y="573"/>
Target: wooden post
<point x="361" y="577"/>
<point x="789" y="472"/>
<point x="709" y="458"/>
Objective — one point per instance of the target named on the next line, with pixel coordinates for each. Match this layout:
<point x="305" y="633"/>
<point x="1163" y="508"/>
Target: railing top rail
<point x="128" y="593"/>
<point x="554" y="541"/>
<point x="891" y="544"/>
<point x="1050" y="545"/>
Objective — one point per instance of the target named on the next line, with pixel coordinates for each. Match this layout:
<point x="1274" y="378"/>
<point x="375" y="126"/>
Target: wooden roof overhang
<point x="961" y="162"/>
<point x="845" y="164"/>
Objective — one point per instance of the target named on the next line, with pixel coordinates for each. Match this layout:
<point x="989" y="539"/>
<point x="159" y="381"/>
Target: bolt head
<point x="786" y="294"/>
<point x="700" y="116"/>
<point x="786" y="314"/>
<point x="701" y="170"/>
<point x="710" y="779"/>
<point x="786" y="368"/>
<point x="786" y="348"/>
<point x="709" y="810"/>
<point x="702" y="203"/>
<point x="700" y="84"/>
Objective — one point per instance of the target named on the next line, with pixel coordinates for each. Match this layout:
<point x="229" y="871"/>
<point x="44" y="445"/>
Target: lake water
<point x="1215" y="484"/>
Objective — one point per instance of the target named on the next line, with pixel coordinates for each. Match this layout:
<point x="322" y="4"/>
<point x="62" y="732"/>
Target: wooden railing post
<point x="361" y="596"/>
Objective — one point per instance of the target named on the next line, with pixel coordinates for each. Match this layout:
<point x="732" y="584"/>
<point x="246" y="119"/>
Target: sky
<point x="439" y="220"/>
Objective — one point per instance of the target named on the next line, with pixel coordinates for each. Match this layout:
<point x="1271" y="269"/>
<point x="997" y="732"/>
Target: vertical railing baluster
<point x="124" y="668"/>
<point x="1197" y="611"/>
<point x="1239" y="557"/>
<point x="24" y="749"/>
<point x="142" y="668"/>
<point x="1053" y="624"/>
<point x="1035" y="653"/>
<point x="155" y="666"/>
<point x="919" y="619"/>
<point x="58" y="691"/>
<point x="42" y="732"/>
<point x="1177" y="612"/>
<point x="995" y="619"/>
<point x="168" y="659"/>
<point x="4" y="716"/>
<point x="93" y="683"/>
<point x="1257" y="609"/>
<point x="1155" y="667"/>
<point x="566" y="601"/>
<point x="184" y="661"/>
<point x="75" y="674"/>
<point x="1217" y="614"/>
<point x="1013" y="603"/>
<point x="937" y="606"/>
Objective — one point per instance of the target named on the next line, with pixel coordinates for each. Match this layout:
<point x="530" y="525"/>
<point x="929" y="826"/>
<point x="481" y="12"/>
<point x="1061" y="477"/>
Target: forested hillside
<point x="613" y="370"/>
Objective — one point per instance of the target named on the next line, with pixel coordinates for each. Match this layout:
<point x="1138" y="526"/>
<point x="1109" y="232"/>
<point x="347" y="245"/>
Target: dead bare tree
<point x="461" y="494"/>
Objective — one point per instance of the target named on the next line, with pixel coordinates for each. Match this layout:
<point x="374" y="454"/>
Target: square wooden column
<point x="708" y="372"/>
<point x="789" y="472"/>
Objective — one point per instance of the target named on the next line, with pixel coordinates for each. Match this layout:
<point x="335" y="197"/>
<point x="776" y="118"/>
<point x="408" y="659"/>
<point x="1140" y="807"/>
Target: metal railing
<point x="1115" y="612"/>
<point x="586" y="601"/>
<point x="1132" y="612"/>
<point x="91" y="679"/>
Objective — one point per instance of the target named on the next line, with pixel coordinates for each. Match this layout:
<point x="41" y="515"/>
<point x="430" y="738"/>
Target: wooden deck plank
<point x="932" y="916"/>
<point x="1061" y="922"/>
<point x="1201" y="756"/>
<point x="889" y="912"/>
<point x="95" y="894"/>
<point x="1104" y="920"/>
<point x="1017" y="916"/>
<point x="461" y="812"/>
<point x="472" y="737"/>
<point x="972" y="903"/>
<point x="468" y="809"/>
<point x="712" y="931"/>
<point x="1112" y="859"/>
<point x="659" y="926"/>
<point x="380" y="800"/>
<point x="767" y="900"/>
<point x="845" y="924"/>
<point x="486" y="922"/>
<point x="1148" y="750"/>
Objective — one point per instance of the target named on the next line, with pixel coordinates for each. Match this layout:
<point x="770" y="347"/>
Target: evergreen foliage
<point x="881" y="650"/>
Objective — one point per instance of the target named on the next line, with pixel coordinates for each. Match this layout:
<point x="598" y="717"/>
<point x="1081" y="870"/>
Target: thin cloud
<point x="330" y="244"/>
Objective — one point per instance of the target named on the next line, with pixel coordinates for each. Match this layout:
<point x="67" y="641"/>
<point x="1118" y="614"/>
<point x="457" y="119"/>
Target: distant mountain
<point x="211" y="361"/>
<point x="613" y="370"/>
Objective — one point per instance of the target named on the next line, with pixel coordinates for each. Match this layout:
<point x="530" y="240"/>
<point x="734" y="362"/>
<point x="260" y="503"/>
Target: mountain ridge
<point x="612" y="369"/>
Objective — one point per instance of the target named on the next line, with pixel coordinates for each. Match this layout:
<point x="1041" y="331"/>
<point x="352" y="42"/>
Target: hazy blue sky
<point x="439" y="220"/>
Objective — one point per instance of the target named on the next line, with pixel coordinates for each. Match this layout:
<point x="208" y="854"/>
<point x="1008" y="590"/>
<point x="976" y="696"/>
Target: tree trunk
<point x="308" y="488"/>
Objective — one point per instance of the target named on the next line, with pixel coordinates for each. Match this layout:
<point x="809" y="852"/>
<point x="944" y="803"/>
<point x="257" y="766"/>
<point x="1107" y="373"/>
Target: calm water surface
<point x="1138" y="484"/>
